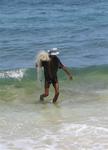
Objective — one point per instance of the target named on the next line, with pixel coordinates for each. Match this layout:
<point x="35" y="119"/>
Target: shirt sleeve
<point x="60" y="65"/>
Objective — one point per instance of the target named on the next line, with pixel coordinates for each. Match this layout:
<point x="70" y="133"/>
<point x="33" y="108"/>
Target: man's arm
<point x="61" y="66"/>
<point x="67" y="72"/>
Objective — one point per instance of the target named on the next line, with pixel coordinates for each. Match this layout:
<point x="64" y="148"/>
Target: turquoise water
<point x="12" y="82"/>
<point x="78" y="121"/>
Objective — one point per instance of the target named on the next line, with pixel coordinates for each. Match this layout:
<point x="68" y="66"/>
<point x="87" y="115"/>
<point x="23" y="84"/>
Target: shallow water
<point x="78" y="121"/>
<point x="70" y="124"/>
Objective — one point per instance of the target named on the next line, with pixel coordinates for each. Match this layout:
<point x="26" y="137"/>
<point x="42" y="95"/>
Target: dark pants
<point x="55" y="84"/>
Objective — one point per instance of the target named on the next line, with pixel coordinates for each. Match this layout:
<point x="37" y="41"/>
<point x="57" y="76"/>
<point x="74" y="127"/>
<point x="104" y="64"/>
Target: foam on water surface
<point x="69" y="136"/>
<point x="30" y="126"/>
<point x="78" y="121"/>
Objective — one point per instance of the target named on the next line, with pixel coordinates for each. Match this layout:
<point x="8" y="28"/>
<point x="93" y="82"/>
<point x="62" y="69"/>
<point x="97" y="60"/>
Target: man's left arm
<point x="67" y="72"/>
<point x="61" y="66"/>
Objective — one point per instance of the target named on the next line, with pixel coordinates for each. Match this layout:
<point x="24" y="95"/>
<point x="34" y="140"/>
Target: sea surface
<point x="79" y="120"/>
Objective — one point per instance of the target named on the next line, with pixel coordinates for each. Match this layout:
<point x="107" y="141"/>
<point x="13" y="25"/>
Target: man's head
<point x="53" y="52"/>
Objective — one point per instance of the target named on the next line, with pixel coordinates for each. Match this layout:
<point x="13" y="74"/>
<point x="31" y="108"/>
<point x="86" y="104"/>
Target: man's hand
<point x="67" y="72"/>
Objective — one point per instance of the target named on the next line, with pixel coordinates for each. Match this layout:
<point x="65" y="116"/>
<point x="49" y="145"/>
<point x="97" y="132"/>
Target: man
<point x="51" y="67"/>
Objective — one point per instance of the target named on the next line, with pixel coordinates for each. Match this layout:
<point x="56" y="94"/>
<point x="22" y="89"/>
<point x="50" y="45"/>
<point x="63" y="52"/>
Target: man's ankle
<point x="41" y="97"/>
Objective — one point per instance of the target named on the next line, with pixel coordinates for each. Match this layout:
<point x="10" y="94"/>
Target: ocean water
<point x="79" y="121"/>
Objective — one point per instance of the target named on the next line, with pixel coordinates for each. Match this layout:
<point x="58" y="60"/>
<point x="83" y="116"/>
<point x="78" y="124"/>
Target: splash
<point x="17" y="74"/>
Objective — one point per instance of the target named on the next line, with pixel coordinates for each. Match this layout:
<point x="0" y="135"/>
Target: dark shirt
<point x="51" y="67"/>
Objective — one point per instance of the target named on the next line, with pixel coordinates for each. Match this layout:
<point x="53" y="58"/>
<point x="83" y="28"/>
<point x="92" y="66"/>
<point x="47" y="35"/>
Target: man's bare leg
<point x="46" y="93"/>
<point x="56" y="87"/>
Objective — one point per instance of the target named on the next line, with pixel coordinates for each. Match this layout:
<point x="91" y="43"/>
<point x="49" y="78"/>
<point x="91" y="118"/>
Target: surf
<point x="21" y="84"/>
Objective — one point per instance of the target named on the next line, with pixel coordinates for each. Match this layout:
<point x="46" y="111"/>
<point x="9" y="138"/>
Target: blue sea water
<point x="79" y="28"/>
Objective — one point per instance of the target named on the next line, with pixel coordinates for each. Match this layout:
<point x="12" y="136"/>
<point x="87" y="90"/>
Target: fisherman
<point x="51" y="63"/>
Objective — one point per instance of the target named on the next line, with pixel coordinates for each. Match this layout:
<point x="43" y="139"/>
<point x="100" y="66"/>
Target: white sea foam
<point x="60" y="142"/>
<point x="19" y="73"/>
<point x="47" y="127"/>
<point x="3" y="147"/>
<point x="67" y="136"/>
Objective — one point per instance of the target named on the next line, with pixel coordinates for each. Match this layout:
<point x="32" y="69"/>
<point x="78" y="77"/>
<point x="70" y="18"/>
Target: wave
<point x="18" y="73"/>
<point x="22" y="85"/>
<point x="30" y="73"/>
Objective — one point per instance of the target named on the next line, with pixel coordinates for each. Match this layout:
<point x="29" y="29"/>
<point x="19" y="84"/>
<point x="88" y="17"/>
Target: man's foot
<point x="55" y="98"/>
<point x="41" y="98"/>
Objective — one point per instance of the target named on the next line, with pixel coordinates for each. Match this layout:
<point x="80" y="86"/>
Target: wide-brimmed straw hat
<point x="53" y="51"/>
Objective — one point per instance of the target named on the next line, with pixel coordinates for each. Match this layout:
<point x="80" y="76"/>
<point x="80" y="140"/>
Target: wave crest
<point x="17" y="74"/>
